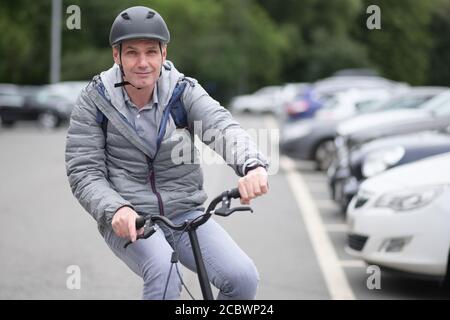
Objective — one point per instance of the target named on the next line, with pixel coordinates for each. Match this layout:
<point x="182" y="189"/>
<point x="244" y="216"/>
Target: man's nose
<point x="142" y="61"/>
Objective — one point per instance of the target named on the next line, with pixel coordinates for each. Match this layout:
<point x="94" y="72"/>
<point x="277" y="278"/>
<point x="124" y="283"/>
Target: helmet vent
<point x="150" y="15"/>
<point x="125" y="16"/>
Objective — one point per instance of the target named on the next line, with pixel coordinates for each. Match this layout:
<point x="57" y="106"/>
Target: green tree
<point x="86" y="52"/>
<point x="229" y="46"/>
<point x="319" y="36"/>
<point x="24" y="41"/>
<point x="400" y="48"/>
<point x="439" y="66"/>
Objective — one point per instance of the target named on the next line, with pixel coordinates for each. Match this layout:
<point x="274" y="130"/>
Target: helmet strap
<point x="160" y="50"/>
<point x="122" y="72"/>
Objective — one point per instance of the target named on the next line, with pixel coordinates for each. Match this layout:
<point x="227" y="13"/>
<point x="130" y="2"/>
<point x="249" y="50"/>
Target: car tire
<point x="7" y="123"/>
<point x="48" y="120"/>
<point x="344" y="205"/>
<point x="446" y="282"/>
<point x="323" y="154"/>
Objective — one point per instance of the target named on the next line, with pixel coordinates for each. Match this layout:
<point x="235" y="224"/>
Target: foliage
<point x="238" y="46"/>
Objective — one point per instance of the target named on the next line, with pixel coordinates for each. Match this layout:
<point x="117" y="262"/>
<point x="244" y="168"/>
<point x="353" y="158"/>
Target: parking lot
<point x="296" y="236"/>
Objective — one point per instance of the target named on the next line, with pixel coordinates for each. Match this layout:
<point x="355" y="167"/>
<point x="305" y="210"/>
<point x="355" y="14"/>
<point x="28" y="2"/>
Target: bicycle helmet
<point x="138" y="23"/>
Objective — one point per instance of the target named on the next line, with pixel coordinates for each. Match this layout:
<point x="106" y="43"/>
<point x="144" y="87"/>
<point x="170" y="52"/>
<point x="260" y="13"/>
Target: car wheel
<point x="7" y="123"/>
<point x="48" y="120"/>
<point x="324" y="154"/>
<point x="446" y="282"/>
<point x="344" y="205"/>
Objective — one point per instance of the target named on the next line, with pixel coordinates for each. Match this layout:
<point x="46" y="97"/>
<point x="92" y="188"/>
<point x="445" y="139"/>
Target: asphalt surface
<point x="44" y="233"/>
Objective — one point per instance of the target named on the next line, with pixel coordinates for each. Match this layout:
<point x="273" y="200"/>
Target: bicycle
<point x="190" y="226"/>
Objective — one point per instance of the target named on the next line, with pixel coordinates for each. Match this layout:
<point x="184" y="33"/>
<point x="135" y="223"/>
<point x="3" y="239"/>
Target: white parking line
<point x="270" y="122"/>
<point x="315" y="185"/>
<point x="336" y="227"/>
<point x="353" y="264"/>
<point x="326" y="204"/>
<point x="329" y="263"/>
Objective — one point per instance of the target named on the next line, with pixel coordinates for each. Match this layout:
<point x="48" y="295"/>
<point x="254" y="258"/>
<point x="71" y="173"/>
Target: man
<point x="120" y="161"/>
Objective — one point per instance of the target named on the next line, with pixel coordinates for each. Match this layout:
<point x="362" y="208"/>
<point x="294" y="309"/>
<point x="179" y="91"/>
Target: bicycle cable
<point x="176" y="245"/>
<point x="174" y="258"/>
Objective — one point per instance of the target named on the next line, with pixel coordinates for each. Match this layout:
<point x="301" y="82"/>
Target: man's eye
<point x="131" y="52"/>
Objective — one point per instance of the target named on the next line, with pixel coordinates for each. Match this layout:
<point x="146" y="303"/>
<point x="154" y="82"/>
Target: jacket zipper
<point x="152" y="174"/>
<point x="153" y="185"/>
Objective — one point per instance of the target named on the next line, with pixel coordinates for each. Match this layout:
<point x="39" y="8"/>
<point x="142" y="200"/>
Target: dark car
<point x="13" y="103"/>
<point x="49" y="105"/>
<point x="352" y="134"/>
<point x="372" y="158"/>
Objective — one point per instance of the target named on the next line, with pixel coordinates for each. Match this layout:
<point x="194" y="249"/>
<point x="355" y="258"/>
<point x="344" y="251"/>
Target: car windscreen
<point x="407" y="102"/>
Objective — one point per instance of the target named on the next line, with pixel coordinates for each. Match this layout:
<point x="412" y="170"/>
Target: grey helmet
<point x="138" y="23"/>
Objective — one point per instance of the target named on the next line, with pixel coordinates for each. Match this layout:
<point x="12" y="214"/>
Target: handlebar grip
<point x="234" y="193"/>
<point x="140" y="222"/>
<point x="146" y="235"/>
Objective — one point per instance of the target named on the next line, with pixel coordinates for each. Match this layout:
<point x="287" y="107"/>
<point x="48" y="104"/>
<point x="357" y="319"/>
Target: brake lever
<point x="224" y="211"/>
<point x="241" y="209"/>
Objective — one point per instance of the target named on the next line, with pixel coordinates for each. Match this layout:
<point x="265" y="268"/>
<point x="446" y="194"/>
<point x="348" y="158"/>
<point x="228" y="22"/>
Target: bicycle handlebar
<point x="224" y="211"/>
<point x="234" y="193"/>
<point x="140" y="222"/>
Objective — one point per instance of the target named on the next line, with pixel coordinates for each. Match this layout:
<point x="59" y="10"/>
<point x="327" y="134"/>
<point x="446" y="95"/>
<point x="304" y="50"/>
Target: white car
<point x="348" y="103"/>
<point x="261" y="101"/>
<point x="391" y="118"/>
<point x="400" y="219"/>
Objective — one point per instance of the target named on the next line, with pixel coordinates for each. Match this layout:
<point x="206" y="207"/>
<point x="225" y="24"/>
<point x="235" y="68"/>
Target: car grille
<point x="357" y="241"/>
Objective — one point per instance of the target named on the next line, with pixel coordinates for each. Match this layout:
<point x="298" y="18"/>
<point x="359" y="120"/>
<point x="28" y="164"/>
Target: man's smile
<point x="143" y="74"/>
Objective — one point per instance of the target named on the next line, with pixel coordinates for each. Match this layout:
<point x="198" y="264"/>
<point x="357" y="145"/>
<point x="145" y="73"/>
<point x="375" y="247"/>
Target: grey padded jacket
<point x="124" y="171"/>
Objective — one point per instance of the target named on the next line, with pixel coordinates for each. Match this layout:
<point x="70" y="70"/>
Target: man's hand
<point x="253" y="185"/>
<point x="124" y="224"/>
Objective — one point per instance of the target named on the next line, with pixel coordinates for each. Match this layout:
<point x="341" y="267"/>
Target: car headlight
<point x="409" y="199"/>
<point x="378" y="161"/>
<point x="296" y="131"/>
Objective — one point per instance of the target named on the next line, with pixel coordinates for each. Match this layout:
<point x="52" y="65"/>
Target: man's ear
<point x="115" y="53"/>
<point x="164" y="53"/>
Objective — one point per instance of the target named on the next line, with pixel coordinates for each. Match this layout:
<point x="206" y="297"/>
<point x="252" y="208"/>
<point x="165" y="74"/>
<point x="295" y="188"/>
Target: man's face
<point x="141" y="61"/>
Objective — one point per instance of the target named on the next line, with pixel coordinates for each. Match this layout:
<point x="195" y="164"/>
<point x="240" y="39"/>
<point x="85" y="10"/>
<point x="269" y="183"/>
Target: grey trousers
<point x="229" y="268"/>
